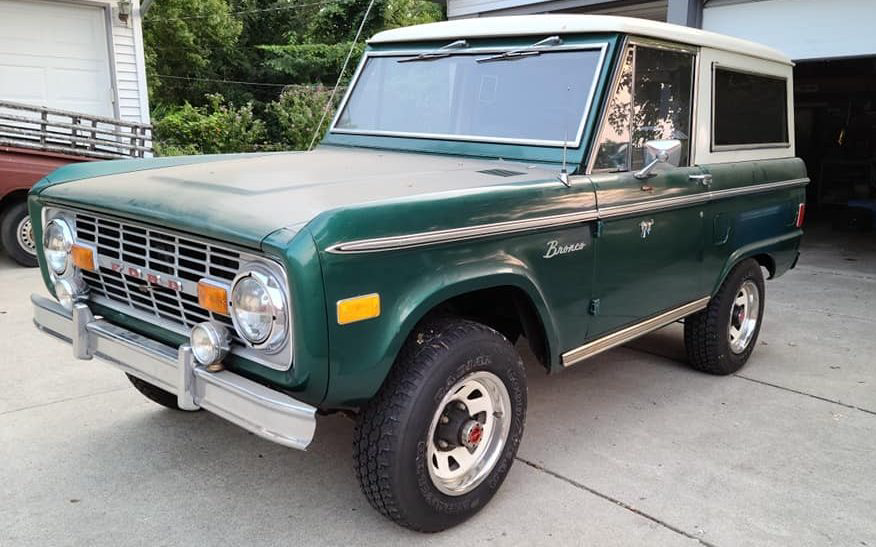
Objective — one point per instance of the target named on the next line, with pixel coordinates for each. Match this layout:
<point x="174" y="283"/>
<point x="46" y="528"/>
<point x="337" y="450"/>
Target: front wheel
<point x="16" y="231"/>
<point x="436" y="443"/>
<point x="720" y="339"/>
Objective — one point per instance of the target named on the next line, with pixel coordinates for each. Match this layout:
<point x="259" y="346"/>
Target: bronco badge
<point x="554" y="248"/>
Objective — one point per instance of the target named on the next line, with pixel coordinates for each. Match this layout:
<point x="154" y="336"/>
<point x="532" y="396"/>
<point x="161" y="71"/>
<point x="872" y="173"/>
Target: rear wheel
<point x="436" y="443"/>
<point x="16" y="231"/>
<point x="720" y="339"/>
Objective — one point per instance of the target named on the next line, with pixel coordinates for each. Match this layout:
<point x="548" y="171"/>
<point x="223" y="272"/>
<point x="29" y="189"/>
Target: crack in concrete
<point x="822" y="312"/>
<point x="58" y="401"/>
<point x="615" y="501"/>
<point x="846" y="274"/>
<point x="798" y="392"/>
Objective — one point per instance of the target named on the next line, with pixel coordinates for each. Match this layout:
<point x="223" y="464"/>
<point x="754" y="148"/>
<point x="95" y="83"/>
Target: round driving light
<point x="57" y="245"/>
<point x="210" y="343"/>
<point x="64" y="294"/>
<point x="69" y="291"/>
<point x="258" y="309"/>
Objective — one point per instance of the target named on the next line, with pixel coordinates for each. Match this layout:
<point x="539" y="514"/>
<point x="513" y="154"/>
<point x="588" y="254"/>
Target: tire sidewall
<point x="424" y="504"/>
<point x="8" y="232"/>
<point x="748" y="270"/>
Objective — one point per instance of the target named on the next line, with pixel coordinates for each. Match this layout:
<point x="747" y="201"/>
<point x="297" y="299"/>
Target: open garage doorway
<point x="836" y="137"/>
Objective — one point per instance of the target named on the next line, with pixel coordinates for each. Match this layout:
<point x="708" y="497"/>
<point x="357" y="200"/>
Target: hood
<point x="244" y="198"/>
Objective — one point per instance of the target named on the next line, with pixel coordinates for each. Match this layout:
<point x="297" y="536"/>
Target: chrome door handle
<point x="704" y="179"/>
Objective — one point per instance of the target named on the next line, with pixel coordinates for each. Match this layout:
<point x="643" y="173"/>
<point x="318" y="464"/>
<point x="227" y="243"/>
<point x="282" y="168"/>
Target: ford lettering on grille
<point x="150" y="277"/>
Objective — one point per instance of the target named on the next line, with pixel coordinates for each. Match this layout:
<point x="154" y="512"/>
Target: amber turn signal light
<point x="212" y="297"/>
<point x="358" y="308"/>
<point x="83" y="258"/>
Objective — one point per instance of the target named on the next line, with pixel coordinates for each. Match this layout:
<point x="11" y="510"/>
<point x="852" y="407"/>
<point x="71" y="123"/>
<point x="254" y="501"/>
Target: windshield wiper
<point x="432" y="55"/>
<point x="534" y="49"/>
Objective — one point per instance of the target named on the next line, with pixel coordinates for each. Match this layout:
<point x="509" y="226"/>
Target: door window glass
<point x="613" y="153"/>
<point x="652" y="102"/>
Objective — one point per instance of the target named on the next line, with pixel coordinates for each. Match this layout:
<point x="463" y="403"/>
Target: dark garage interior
<point x="836" y="137"/>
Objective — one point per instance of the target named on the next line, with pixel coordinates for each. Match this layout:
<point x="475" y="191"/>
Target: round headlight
<point x="258" y="309"/>
<point x="57" y="244"/>
<point x="210" y="343"/>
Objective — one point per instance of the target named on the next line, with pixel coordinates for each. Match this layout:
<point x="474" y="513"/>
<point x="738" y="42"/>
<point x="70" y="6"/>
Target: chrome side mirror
<point x="657" y="152"/>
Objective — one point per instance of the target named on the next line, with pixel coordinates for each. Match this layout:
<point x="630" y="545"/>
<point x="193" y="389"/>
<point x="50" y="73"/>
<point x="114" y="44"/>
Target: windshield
<point x="539" y="99"/>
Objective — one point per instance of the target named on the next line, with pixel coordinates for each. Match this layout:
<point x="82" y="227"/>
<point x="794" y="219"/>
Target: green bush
<point x="295" y="115"/>
<point x="215" y="128"/>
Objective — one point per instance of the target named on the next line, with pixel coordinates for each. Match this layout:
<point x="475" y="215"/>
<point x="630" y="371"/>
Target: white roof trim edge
<point x="536" y="25"/>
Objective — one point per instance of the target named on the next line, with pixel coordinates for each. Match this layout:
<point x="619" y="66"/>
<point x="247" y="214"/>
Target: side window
<point x="749" y="110"/>
<point x="653" y="101"/>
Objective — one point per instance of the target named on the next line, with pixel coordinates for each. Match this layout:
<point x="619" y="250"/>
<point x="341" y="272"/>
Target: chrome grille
<point x="166" y="253"/>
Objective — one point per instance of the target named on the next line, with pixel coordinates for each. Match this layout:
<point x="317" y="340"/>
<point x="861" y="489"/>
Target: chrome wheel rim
<point x="24" y="236"/>
<point x="468" y="433"/>
<point x="744" y="315"/>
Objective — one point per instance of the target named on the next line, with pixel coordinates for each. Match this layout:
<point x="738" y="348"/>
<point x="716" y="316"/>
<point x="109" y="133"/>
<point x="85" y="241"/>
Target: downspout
<point x="144" y="7"/>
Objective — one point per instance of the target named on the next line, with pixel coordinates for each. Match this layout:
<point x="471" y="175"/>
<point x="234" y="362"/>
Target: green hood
<point x="244" y="198"/>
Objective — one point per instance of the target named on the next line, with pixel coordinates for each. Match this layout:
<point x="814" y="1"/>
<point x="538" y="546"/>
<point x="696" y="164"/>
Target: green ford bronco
<point x="569" y="182"/>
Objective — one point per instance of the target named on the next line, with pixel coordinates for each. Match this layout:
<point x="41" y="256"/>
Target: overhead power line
<point x="240" y="82"/>
<point x="331" y="97"/>
<point x="220" y="81"/>
<point x="244" y="12"/>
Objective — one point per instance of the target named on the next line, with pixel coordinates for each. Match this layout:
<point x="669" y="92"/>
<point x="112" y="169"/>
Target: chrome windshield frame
<point x="600" y="46"/>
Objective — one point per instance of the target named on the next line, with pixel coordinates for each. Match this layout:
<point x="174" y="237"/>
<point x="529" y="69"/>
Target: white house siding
<point x="130" y="68"/>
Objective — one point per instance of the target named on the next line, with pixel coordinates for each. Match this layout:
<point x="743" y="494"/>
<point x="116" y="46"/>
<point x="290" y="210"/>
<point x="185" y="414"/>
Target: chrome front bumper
<point x="254" y="407"/>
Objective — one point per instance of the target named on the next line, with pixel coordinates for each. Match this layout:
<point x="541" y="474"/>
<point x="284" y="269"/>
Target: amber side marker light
<point x="358" y="308"/>
<point x="212" y="297"/>
<point x="83" y="258"/>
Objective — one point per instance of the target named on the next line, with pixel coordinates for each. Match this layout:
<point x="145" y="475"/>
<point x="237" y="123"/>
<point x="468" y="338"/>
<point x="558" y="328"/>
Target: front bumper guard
<point x="252" y="406"/>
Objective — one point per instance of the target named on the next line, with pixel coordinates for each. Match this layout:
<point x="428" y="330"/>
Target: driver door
<point x="650" y="248"/>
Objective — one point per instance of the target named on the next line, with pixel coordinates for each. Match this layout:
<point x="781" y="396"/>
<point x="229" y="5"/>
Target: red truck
<point x="35" y="141"/>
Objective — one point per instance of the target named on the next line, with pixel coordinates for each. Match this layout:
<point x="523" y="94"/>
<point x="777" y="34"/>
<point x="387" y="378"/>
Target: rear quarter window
<point x="750" y="110"/>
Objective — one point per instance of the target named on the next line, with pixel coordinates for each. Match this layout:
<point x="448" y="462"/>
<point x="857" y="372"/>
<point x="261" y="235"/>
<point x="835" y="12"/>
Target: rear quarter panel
<point x="752" y="224"/>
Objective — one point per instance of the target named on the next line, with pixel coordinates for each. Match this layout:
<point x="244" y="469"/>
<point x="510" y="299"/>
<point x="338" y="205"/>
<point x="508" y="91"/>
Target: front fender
<point x="410" y="286"/>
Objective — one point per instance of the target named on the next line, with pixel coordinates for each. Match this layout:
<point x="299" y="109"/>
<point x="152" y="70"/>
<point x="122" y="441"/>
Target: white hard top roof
<point x="540" y="25"/>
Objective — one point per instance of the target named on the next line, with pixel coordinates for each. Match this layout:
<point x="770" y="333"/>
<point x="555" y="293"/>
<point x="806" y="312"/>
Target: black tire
<point x="9" y="226"/>
<point x="155" y="394"/>
<point x="391" y="435"/>
<point x="706" y="332"/>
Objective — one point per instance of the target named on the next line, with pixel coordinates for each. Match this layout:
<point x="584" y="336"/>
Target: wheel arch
<point x="764" y="252"/>
<point x="11" y="198"/>
<point x="506" y="302"/>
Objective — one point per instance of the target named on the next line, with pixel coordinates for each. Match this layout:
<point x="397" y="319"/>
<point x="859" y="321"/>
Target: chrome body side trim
<point x="653" y="205"/>
<point x="266" y="412"/>
<point x="460" y="234"/>
<point x="602" y="47"/>
<point x="758" y="188"/>
<point x="407" y="241"/>
<point x="629" y="333"/>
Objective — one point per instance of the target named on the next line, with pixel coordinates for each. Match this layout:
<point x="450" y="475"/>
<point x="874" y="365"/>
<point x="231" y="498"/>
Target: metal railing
<point x="63" y="132"/>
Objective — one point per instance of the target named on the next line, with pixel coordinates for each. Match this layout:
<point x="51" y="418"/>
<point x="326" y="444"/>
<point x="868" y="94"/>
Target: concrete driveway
<point x="630" y="448"/>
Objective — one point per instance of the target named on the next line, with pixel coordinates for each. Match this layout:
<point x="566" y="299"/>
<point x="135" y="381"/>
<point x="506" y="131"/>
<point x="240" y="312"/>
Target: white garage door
<point x="55" y="54"/>
<point x="803" y="29"/>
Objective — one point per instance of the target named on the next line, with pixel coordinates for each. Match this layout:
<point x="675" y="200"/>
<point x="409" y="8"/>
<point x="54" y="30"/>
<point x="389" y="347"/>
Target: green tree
<point x="185" y="40"/>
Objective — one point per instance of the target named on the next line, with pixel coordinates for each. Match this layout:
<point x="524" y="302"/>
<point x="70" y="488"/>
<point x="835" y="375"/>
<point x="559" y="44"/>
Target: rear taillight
<point x="801" y="212"/>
